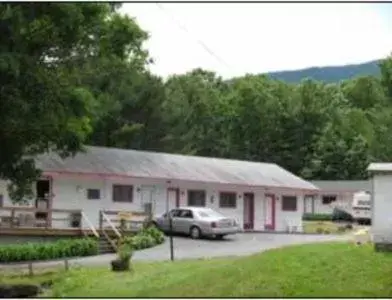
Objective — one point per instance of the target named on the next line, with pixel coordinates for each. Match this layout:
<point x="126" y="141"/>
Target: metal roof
<point x="342" y="185"/>
<point x="133" y="163"/>
<point x="380" y="167"/>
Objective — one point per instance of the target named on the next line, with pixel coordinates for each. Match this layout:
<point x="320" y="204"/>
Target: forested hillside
<point x="329" y="74"/>
<point x="76" y="73"/>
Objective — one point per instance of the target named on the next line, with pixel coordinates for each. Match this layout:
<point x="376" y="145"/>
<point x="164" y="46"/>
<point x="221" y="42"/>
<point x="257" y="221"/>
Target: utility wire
<point x="200" y="42"/>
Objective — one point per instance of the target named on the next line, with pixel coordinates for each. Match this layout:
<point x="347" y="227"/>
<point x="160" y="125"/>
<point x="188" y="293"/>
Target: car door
<point x="166" y="220"/>
<point x="184" y="220"/>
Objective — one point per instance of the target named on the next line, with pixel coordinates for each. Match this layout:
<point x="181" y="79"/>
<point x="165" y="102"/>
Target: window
<point x="209" y="213"/>
<point x="122" y="193"/>
<point x="327" y="199"/>
<point x="289" y="203"/>
<point x="93" y="194"/>
<point x="364" y="202"/>
<point x="227" y="200"/>
<point x="185" y="213"/>
<point x="174" y="213"/>
<point x="196" y="198"/>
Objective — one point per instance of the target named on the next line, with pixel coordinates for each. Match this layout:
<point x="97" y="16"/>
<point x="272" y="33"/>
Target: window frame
<point x="289" y="209"/>
<point x="227" y="193"/>
<point x="122" y="187"/>
<point x="88" y="195"/>
<point x="189" y="192"/>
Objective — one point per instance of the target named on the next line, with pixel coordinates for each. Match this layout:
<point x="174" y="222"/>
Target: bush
<point x="316" y="217"/>
<point x="47" y="251"/>
<point x="155" y="233"/>
<point x="146" y="238"/>
<point x="341" y="215"/>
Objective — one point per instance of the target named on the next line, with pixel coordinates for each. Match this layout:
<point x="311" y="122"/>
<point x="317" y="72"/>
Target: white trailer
<point x="361" y="207"/>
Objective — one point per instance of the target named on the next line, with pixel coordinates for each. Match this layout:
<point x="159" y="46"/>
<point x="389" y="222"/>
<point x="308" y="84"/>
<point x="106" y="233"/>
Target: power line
<point x="200" y="42"/>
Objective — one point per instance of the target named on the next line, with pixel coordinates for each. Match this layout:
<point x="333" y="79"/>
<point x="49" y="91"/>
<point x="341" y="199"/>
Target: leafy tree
<point x="342" y="151"/>
<point x="364" y="92"/>
<point x="47" y="53"/>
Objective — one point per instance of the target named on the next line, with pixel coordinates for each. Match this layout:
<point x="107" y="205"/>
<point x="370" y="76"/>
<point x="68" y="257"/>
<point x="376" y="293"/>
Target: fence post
<point x="100" y="220"/>
<point x="30" y="264"/>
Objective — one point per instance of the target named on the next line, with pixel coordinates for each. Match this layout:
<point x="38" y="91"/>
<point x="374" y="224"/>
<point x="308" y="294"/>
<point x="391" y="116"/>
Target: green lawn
<point x="326" y="227"/>
<point x="316" y="270"/>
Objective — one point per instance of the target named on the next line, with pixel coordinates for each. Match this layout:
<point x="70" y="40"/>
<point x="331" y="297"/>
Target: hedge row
<point x="317" y="217"/>
<point x="48" y="250"/>
<point x="146" y="238"/>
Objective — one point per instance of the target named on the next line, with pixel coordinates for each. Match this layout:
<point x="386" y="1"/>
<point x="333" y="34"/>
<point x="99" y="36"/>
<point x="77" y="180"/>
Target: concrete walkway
<point x="186" y="248"/>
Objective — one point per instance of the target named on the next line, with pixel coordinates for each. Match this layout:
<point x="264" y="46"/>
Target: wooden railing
<point x="129" y="221"/>
<point x="103" y="218"/>
<point x="90" y="225"/>
<point x="31" y="217"/>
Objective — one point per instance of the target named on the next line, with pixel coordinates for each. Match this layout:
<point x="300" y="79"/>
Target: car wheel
<point x="195" y="232"/>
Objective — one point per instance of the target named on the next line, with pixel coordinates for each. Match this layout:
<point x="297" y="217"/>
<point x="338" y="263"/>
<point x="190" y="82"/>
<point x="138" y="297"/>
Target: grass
<point x="314" y="270"/>
<point x="323" y="227"/>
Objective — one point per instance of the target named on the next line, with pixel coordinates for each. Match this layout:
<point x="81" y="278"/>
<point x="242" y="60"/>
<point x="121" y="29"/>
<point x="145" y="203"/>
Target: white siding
<point x="343" y="200"/>
<point x="382" y="203"/>
<point x="283" y="218"/>
<point x="71" y="193"/>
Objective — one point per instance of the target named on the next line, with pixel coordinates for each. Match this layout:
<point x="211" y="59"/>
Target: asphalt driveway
<point x="238" y="245"/>
<point x="186" y="248"/>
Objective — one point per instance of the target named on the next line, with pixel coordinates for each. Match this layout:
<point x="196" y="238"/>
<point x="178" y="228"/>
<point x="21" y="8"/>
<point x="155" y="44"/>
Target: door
<point x="165" y="224"/>
<point x="184" y="221"/>
<point x="269" y="212"/>
<point x="43" y="202"/>
<point x="308" y="204"/>
<point x="249" y="211"/>
<point x="173" y="198"/>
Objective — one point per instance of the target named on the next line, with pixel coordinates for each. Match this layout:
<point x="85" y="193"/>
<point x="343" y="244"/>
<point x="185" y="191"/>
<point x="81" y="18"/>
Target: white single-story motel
<point x="261" y="196"/>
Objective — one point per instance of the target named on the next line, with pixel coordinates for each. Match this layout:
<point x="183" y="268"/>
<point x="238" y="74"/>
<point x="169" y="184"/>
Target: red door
<point x="173" y="195"/>
<point x="269" y="212"/>
<point x="249" y="208"/>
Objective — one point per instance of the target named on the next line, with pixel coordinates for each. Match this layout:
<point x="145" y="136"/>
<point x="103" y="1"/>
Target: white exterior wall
<point x="70" y="192"/>
<point x="343" y="200"/>
<point x="382" y="204"/>
<point x="293" y="217"/>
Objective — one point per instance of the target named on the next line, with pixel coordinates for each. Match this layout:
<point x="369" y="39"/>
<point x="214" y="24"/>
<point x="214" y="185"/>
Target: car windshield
<point x="209" y="213"/>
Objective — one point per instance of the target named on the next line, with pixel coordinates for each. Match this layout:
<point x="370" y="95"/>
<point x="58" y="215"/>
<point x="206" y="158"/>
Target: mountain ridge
<point x="328" y="74"/>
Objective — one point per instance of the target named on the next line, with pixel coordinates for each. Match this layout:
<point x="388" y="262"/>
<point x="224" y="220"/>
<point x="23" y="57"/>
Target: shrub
<point x="125" y="252"/>
<point x="47" y="251"/>
<point x="146" y="238"/>
<point x="316" y="217"/>
<point x="155" y="233"/>
<point x="341" y="215"/>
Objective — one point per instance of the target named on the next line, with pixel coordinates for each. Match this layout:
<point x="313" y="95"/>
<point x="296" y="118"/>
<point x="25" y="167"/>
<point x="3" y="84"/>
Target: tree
<point x="48" y="53"/>
<point x="131" y="117"/>
<point x="342" y="151"/>
<point x="192" y="114"/>
<point x="364" y="92"/>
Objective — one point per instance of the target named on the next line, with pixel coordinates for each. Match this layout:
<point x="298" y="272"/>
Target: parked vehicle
<point x="361" y="207"/>
<point x="197" y="222"/>
<point x="340" y="215"/>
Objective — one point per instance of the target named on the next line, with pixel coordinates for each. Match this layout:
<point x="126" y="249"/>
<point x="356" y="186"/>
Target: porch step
<point x="104" y="246"/>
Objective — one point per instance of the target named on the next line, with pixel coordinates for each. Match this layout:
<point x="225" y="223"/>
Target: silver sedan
<point x="197" y="222"/>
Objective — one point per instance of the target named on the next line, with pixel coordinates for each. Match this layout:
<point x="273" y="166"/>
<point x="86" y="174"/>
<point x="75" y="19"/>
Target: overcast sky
<point x="262" y="37"/>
